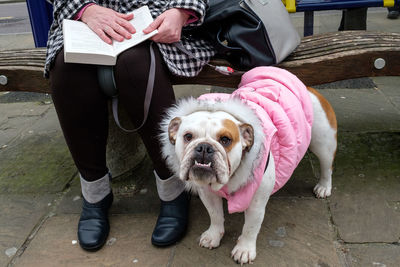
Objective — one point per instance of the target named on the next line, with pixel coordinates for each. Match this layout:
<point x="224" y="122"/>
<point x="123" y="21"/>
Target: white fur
<point x="204" y="127"/>
<point x="213" y="203"/>
<point x="234" y="107"/>
<point x="323" y="144"/>
<point x="245" y="249"/>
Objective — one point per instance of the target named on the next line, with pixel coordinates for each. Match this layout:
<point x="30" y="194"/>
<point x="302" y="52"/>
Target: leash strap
<point x="221" y="69"/>
<point x="108" y="85"/>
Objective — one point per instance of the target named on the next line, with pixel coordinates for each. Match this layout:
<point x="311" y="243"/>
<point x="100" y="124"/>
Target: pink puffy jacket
<point x="283" y="105"/>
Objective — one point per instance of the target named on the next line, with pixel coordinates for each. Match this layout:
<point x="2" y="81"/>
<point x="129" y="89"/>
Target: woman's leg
<point x="131" y="73"/>
<point x="83" y="114"/>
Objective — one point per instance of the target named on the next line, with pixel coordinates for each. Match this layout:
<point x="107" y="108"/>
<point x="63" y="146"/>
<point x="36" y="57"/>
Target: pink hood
<point x="279" y="108"/>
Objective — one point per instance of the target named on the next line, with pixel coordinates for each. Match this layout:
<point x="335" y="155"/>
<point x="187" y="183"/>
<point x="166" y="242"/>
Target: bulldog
<point x="244" y="146"/>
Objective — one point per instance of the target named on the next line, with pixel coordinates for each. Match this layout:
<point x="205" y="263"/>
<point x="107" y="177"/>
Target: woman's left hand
<point x="169" y="25"/>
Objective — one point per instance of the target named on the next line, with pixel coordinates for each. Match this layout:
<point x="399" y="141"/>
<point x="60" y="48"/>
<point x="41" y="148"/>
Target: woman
<point x="85" y="126"/>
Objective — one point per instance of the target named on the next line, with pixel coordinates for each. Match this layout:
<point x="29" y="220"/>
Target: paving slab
<point x="16" y="41"/>
<point x="12" y="129"/>
<point x="377" y="21"/>
<point x="188" y="90"/>
<point x="36" y="158"/>
<point x="16" y="118"/>
<point x="365" y="201"/>
<point x="378" y="255"/>
<point x="19" y="216"/>
<point x="390" y="87"/>
<point x="363" y="110"/>
<point x="128" y="244"/>
<point x="295" y="232"/>
<point x="357" y="83"/>
<point x="15" y="97"/>
<point x="37" y="164"/>
<point x="27" y="109"/>
<point x="3" y="119"/>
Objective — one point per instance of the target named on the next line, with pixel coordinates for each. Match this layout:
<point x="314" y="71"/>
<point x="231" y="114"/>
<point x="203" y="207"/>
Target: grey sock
<point x="95" y="191"/>
<point x="170" y="188"/>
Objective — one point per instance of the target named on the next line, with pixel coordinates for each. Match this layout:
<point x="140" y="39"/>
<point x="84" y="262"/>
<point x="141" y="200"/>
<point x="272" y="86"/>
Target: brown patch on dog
<point x="326" y="106"/>
<point x="247" y="132"/>
<point x="231" y="131"/>
<point x="330" y="113"/>
<point x="173" y="128"/>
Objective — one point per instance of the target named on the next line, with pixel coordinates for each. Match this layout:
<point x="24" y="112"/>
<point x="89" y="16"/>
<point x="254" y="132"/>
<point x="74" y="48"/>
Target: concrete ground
<point x="357" y="226"/>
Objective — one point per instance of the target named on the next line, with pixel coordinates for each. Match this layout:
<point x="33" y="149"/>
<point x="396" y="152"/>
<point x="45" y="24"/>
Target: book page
<point x="141" y="19"/>
<point x="79" y="38"/>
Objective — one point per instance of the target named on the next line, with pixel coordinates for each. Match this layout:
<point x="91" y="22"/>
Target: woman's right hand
<point x="107" y="23"/>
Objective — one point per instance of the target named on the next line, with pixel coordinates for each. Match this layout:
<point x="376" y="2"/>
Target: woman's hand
<point x="108" y="24"/>
<point x="169" y="25"/>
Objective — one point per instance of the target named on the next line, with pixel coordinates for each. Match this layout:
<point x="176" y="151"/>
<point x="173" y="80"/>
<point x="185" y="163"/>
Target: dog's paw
<point x="211" y="238"/>
<point x="244" y="252"/>
<point x="322" y="191"/>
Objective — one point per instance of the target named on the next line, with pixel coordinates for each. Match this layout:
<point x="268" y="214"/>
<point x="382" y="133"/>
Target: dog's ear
<point x="247" y="132"/>
<point x="173" y="128"/>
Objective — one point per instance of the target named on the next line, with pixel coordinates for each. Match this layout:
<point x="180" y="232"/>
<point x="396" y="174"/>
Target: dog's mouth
<point x="205" y="174"/>
<point x="202" y="171"/>
<point x="204" y="166"/>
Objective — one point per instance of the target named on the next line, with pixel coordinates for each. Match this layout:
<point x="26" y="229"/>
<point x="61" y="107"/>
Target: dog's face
<point x="209" y="146"/>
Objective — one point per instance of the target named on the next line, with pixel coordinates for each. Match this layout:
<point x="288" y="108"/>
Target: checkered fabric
<point x="178" y="63"/>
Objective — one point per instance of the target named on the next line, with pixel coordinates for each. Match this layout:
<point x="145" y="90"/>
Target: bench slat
<point x="318" y="59"/>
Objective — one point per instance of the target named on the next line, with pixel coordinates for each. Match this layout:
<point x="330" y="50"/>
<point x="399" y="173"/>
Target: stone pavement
<point x="357" y="226"/>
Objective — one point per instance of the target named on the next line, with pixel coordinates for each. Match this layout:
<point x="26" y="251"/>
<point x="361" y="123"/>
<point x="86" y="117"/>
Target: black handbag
<point x="248" y="33"/>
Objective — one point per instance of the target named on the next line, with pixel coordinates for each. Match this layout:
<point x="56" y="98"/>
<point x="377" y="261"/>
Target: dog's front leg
<point x="245" y="249"/>
<point x="213" y="203"/>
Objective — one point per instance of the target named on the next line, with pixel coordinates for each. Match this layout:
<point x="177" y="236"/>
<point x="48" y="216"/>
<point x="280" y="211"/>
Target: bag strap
<point x="108" y="85"/>
<point x="221" y="69"/>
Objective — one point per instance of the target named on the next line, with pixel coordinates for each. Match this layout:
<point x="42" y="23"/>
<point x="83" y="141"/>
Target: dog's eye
<point x="188" y="137"/>
<point x="225" y="141"/>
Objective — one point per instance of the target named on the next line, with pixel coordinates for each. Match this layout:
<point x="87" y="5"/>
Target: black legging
<point x="83" y="111"/>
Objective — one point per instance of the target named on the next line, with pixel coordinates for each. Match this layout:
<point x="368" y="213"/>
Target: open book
<point x="82" y="45"/>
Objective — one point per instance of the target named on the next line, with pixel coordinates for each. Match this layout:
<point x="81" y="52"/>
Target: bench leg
<point x="308" y="23"/>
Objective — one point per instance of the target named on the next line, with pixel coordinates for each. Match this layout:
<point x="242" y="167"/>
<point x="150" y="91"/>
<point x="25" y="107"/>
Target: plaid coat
<point x="178" y="63"/>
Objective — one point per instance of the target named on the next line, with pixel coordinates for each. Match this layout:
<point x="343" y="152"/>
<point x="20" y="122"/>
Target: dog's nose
<point x="204" y="149"/>
<point x="204" y="153"/>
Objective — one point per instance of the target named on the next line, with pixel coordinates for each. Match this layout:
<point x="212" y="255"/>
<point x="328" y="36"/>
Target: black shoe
<point x="172" y="222"/>
<point x="93" y="227"/>
<point x="393" y="14"/>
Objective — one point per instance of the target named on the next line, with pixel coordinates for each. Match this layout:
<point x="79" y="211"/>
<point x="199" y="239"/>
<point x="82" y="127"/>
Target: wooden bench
<point x="318" y="59"/>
